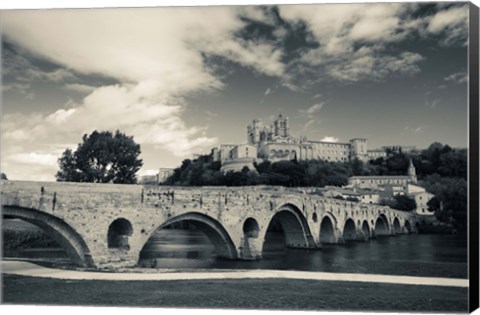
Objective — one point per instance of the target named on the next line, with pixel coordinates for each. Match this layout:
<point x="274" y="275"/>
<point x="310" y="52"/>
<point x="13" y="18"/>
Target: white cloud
<point x="58" y="75"/>
<point x="415" y="130"/>
<point x="46" y="159"/>
<point x="312" y="110"/>
<point x="257" y="14"/>
<point x="147" y="172"/>
<point x="18" y="67"/>
<point x="329" y="139"/>
<point x="260" y="56"/>
<point x="16" y="134"/>
<point x="452" y="23"/>
<point x="458" y="78"/>
<point x="433" y="104"/>
<point x="22" y="88"/>
<point x="99" y="41"/>
<point x="157" y="58"/>
<point x="82" y="88"/>
<point x="310" y="122"/>
<point x="354" y="40"/>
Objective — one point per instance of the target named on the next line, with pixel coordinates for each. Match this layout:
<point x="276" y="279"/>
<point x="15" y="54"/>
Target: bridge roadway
<point x="107" y="225"/>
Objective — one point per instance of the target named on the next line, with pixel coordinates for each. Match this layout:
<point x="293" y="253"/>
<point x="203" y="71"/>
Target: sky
<point x="184" y="80"/>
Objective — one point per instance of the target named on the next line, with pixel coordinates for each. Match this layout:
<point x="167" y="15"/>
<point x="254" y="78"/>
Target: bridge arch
<point x="381" y="225"/>
<point x="118" y="233"/>
<point x="349" y="231"/>
<point x="327" y="229"/>
<point x="366" y="229"/>
<point x="396" y="226"/>
<point x="74" y="245"/>
<point x="212" y="229"/>
<point x="408" y="226"/>
<point x="250" y="228"/>
<point x="294" y="225"/>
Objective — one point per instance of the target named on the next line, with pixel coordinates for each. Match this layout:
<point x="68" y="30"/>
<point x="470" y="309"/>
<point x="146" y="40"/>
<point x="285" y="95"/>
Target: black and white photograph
<point x="303" y="156"/>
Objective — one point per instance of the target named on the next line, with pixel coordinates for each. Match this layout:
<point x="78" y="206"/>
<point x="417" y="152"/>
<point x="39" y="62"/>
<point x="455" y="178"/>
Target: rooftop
<point x="381" y="177"/>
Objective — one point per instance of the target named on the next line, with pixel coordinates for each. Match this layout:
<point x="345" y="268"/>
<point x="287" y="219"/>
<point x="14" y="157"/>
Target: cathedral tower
<point x="253" y="132"/>
<point x="281" y="126"/>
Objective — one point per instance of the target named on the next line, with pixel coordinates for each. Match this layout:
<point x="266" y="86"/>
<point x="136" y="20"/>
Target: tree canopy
<point x="450" y="202"/>
<point x="204" y="172"/>
<point x="401" y="202"/>
<point x="102" y="157"/>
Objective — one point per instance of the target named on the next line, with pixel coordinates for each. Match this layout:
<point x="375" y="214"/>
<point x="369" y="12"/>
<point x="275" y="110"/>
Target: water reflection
<point x="416" y="255"/>
<point x="422" y="255"/>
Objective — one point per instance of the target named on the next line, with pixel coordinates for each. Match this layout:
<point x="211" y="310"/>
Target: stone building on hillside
<point x="275" y="143"/>
<point x="390" y="186"/>
<point x="374" y="182"/>
<point x="163" y="174"/>
<point x="395" y="149"/>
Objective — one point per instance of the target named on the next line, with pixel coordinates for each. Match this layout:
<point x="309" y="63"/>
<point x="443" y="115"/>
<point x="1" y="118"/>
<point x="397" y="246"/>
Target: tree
<point x="357" y="167"/>
<point x="404" y="203"/>
<point x="102" y="157"/>
<point x="397" y="164"/>
<point x="4" y="176"/>
<point x="400" y="202"/>
<point x="450" y="201"/>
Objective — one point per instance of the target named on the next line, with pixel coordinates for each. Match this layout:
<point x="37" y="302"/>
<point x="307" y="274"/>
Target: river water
<point x="413" y="255"/>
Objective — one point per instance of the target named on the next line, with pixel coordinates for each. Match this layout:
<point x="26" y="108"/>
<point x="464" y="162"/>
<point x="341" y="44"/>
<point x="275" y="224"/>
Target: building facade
<point x="374" y="182"/>
<point x="395" y="149"/>
<point x="390" y="186"/>
<point x="274" y="143"/>
<point x="163" y="174"/>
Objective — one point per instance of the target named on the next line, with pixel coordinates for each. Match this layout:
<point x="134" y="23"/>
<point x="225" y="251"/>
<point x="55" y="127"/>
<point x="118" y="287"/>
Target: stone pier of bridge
<point x="107" y="225"/>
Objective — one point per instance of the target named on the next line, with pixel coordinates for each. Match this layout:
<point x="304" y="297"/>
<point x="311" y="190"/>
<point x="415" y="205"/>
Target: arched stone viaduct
<point x="107" y="225"/>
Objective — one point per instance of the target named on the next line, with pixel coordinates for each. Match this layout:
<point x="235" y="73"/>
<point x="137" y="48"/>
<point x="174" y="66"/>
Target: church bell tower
<point x="412" y="172"/>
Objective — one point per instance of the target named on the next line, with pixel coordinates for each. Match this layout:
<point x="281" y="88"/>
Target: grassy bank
<point x="243" y="294"/>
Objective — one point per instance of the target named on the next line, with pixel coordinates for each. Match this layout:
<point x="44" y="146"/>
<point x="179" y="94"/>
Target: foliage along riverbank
<point x="22" y="239"/>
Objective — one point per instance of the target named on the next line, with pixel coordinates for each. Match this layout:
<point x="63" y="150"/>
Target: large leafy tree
<point x="450" y="202"/>
<point x="102" y="157"/>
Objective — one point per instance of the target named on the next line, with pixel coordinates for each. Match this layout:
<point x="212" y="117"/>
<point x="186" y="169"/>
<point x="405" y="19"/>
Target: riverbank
<point x="244" y="294"/>
<point x="23" y="268"/>
<point x="28" y="283"/>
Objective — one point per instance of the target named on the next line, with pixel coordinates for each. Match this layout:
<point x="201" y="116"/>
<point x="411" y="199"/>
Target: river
<point x="412" y="255"/>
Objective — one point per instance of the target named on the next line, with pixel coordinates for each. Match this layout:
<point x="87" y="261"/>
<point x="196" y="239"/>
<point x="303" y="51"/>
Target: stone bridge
<point x="107" y="225"/>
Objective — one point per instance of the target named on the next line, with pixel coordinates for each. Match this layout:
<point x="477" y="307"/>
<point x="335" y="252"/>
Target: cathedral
<point x="274" y="143"/>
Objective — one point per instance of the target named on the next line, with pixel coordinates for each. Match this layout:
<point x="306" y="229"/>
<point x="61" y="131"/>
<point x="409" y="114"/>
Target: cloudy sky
<point x="183" y="80"/>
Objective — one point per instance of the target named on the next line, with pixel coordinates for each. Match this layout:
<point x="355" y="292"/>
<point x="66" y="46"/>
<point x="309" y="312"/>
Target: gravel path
<point x="22" y="268"/>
